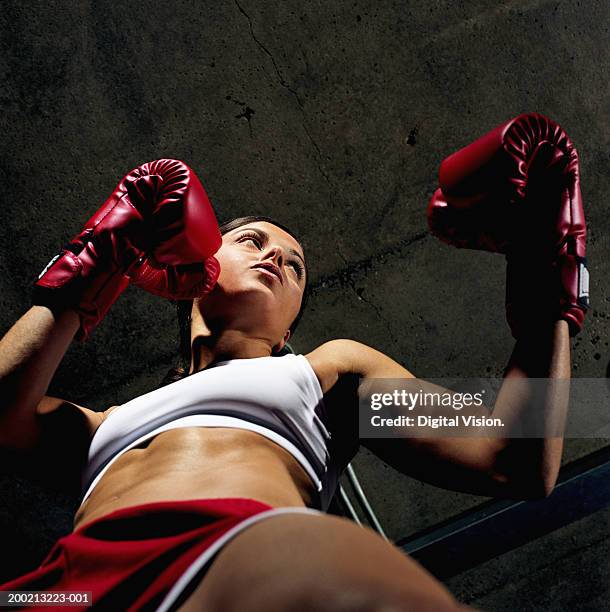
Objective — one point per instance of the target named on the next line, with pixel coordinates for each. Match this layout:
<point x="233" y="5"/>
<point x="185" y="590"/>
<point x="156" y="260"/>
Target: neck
<point x="208" y="348"/>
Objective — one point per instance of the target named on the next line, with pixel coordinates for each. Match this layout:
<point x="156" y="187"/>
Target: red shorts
<point x="145" y="557"/>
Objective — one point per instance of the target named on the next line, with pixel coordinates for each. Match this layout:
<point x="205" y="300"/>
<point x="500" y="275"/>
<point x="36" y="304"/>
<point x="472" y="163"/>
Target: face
<point x="261" y="282"/>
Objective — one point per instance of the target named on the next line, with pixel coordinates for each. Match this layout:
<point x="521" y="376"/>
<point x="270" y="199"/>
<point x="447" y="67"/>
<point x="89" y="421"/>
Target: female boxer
<point x="208" y="493"/>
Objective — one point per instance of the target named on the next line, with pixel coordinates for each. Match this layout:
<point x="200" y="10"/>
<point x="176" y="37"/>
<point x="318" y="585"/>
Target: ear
<point x="280" y="345"/>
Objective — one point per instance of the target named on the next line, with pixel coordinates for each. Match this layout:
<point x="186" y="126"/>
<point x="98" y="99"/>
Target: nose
<point x="276" y="254"/>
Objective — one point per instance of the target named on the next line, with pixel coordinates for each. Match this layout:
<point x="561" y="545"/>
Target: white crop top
<point x="277" y="397"/>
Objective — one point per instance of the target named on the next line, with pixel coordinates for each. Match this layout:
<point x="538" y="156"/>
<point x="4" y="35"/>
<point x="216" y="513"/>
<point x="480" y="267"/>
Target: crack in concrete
<point x="349" y="281"/>
<point x="346" y="275"/>
<point x="389" y="203"/>
<point x="374" y="306"/>
<point x="284" y="83"/>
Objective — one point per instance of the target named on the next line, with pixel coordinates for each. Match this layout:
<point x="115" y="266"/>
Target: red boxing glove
<point x="159" y="210"/>
<point x="516" y="191"/>
<point x="177" y="282"/>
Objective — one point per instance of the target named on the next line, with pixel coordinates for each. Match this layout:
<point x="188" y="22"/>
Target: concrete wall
<point x="332" y="118"/>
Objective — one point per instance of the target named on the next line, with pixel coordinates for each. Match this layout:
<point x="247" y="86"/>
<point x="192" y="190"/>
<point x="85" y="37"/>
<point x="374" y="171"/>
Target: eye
<point x="298" y="268"/>
<point x="250" y="236"/>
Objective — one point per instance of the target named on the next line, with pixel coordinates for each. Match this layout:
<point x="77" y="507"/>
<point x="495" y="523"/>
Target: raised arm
<point x="515" y="191"/>
<point x="30" y="353"/>
<point x="156" y="229"/>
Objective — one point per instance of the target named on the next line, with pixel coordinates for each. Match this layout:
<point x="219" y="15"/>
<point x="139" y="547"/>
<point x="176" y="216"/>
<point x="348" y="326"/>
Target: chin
<point x="259" y="300"/>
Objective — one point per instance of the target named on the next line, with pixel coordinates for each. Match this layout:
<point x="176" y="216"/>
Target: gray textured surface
<point x="333" y="118"/>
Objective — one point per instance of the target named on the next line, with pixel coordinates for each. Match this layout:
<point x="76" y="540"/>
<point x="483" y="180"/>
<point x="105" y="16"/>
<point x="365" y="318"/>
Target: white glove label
<point x="583" y="283"/>
<point x="50" y="264"/>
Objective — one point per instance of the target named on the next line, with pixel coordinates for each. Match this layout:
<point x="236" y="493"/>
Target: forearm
<point x="30" y="353"/>
<point x="541" y="355"/>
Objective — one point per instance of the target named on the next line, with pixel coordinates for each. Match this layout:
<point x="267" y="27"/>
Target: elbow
<point x="542" y="483"/>
<point x="549" y="485"/>
<point x="540" y="490"/>
<point x="526" y="487"/>
<point x="532" y="489"/>
<point x="528" y="469"/>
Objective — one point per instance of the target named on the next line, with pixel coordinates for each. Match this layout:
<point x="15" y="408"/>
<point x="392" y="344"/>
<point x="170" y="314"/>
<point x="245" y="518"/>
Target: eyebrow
<point x="265" y="238"/>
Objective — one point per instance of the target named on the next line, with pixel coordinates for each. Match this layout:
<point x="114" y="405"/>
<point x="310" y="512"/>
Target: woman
<point x="217" y="508"/>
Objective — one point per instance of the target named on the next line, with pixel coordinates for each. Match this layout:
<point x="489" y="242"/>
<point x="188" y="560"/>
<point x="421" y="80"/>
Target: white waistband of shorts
<point x="214" y="420"/>
<point x="207" y="556"/>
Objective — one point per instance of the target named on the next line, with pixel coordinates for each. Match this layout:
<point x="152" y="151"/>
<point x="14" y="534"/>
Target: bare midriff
<point x="199" y="463"/>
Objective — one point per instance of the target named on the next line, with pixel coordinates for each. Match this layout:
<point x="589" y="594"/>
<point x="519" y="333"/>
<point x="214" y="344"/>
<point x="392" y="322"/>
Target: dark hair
<point x="184" y="307"/>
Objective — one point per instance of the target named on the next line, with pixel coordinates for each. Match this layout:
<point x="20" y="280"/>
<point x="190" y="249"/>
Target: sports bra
<point x="277" y="397"/>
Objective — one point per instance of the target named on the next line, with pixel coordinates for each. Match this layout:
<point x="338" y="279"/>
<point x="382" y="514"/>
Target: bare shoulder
<point x="106" y="412"/>
<point x="61" y="420"/>
<point x="344" y="356"/>
<point x="69" y="413"/>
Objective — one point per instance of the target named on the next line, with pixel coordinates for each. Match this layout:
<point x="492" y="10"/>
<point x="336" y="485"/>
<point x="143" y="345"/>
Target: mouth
<point x="270" y="270"/>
